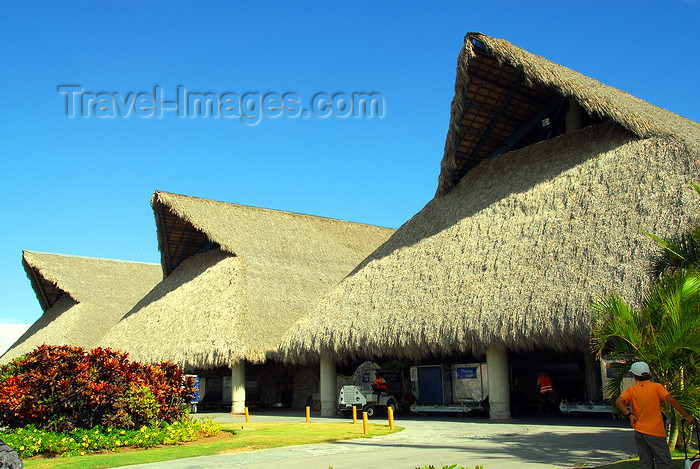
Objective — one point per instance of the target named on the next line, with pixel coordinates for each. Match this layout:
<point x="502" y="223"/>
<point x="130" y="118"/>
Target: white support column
<point x="329" y="391"/>
<point x="238" y="387"/>
<point x="202" y="388"/>
<point x="593" y="379"/>
<point x="499" y="383"/>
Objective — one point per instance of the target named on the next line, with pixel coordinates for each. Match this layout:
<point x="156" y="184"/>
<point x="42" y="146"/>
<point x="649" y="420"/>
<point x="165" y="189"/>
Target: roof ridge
<point x="532" y="90"/>
<point x="266" y="209"/>
<point x="105" y="259"/>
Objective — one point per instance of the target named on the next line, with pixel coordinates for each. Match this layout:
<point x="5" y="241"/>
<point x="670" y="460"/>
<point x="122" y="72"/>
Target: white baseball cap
<point x="640" y="369"/>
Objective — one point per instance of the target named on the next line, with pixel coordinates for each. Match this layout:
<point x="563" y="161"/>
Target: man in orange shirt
<point x="645" y="399"/>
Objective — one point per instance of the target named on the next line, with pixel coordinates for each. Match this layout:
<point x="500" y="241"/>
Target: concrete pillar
<point x="238" y="387"/>
<point x="593" y="379"/>
<point x="499" y="383"/>
<point x="574" y="116"/>
<point x="202" y="388"/>
<point x="329" y="387"/>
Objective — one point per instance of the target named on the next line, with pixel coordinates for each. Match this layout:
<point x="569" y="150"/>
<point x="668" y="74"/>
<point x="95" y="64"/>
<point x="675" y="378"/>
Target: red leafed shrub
<point x="64" y="387"/>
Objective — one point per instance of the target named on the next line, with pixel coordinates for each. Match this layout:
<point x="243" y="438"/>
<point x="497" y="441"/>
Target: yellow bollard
<point x="354" y="414"/>
<point x="390" y="412"/>
<point x="247" y="416"/>
<point x="365" y="430"/>
<point x="308" y="414"/>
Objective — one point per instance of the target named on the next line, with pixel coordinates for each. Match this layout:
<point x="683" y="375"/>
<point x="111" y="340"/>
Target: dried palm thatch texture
<point x="233" y="302"/>
<point x="516" y="243"/>
<point x="81" y="298"/>
<point x="513" y="255"/>
<point x="501" y="89"/>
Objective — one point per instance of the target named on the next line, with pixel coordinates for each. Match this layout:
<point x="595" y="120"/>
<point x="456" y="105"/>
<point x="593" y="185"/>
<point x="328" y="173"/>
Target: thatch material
<point x="541" y="79"/>
<point x="81" y="298"/>
<point x="512" y="254"/>
<point x="234" y="302"/>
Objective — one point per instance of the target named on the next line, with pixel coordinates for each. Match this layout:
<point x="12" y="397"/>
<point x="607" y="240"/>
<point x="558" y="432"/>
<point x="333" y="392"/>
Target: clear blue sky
<point x="82" y="186"/>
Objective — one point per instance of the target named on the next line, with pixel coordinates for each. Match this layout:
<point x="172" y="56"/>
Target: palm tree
<point x="679" y="253"/>
<point x="664" y="332"/>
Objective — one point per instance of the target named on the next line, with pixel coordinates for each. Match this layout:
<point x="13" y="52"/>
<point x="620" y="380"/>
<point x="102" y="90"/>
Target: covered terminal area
<point x="235" y="279"/>
<point x="547" y="178"/>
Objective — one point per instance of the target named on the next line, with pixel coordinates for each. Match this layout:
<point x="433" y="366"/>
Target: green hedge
<point x="31" y="441"/>
<point x="63" y="388"/>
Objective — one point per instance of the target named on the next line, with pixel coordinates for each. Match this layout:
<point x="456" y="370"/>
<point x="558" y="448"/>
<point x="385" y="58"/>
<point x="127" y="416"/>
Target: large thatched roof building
<point x="81" y="298"/>
<point x="547" y="178"/>
<point x="237" y="277"/>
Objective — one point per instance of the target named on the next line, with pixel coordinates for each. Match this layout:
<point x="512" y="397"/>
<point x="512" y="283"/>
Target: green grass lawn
<point x="234" y="437"/>
<point x="634" y="464"/>
<point x="247" y="437"/>
<point x="677" y="456"/>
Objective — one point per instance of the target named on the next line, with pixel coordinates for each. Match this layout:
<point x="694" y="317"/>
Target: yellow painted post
<point x="308" y="414"/>
<point x="354" y="414"/>
<point x="247" y="416"/>
<point x="365" y="430"/>
<point x="390" y="412"/>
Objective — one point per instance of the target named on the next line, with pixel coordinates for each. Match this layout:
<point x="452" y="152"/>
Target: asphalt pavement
<point x="557" y="442"/>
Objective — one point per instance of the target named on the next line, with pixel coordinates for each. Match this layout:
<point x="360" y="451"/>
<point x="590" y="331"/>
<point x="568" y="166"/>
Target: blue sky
<point x="82" y="185"/>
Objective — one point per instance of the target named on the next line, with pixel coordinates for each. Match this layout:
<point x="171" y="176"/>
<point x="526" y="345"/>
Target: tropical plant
<point x="31" y="441"/>
<point x="679" y="253"/>
<point x="664" y="332"/>
<point x="62" y="388"/>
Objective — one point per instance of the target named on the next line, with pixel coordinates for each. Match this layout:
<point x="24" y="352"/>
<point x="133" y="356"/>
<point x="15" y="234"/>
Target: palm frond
<point x="616" y="325"/>
<point x="679" y="253"/>
<point x="696" y="187"/>
<point x="665" y="243"/>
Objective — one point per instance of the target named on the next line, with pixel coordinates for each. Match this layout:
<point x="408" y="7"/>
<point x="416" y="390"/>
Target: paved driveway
<point x="531" y="443"/>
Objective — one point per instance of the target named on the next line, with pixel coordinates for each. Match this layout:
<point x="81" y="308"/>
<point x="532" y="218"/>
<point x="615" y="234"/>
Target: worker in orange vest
<point x="549" y="399"/>
<point x="380" y="385"/>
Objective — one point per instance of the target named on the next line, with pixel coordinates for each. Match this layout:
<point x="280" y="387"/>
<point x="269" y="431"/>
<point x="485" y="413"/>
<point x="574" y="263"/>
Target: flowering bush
<point x="63" y="388"/>
<point x="30" y="441"/>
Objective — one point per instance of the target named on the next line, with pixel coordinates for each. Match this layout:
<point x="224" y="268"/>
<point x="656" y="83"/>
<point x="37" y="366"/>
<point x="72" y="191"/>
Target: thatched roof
<point x="514" y="251"/>
<point x="239" y="277"/>
<point x="502" y="94"/>
<point x="81" y="298"/>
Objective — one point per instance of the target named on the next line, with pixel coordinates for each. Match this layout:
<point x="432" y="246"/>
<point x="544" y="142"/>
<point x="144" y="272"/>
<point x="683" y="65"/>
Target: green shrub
<point x="62" y="388"/>
<point x="142" y="404"/>
<point x="31" y="441"/>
